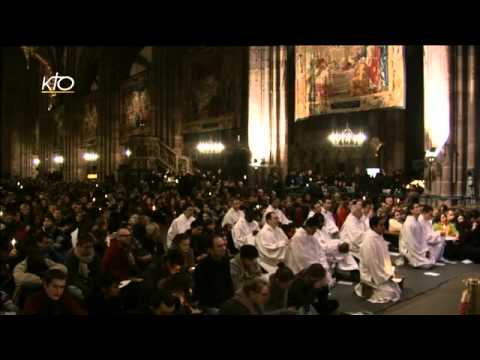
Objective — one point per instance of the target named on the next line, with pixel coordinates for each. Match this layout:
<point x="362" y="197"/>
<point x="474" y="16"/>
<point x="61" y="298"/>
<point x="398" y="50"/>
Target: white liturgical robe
<point x="330" y="225"/>
<point x="305" y="250"/>
<point x="272" y="246"/>
<point x="281" y="216"/>
<point x="413" y="244"/>
<point x="376" y="269"/>
<point x="344" y="261"/>
<point x="178" y="226"/>
<point x="242" y="233"/>
<point x="352" y="232"/>
<point x="232" y="216"/>
<point x="434" y="240"/>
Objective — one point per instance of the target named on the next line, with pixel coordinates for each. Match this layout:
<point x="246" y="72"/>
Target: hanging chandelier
<point x="210" y="147"/>
<point x="347" y="138"/>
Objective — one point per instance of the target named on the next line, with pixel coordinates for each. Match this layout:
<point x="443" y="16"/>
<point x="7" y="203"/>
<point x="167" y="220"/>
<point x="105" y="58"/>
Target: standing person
<point x="354" y="228"/>
<point x="376" y="270"/>
<point x="434" y="239"/>
<point x="330" y="224"/>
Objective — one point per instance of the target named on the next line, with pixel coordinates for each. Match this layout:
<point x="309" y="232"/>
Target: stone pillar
<point x="267" y="110"/>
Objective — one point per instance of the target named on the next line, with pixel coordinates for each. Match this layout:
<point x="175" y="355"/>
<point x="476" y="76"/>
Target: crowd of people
<point x="202" y="244"/>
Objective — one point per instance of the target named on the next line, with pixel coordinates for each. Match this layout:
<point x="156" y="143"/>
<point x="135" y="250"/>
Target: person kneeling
<point x="249" y="300"/>
<point x="377" y="279"/>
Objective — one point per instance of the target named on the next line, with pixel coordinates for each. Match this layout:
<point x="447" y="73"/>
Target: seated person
<point x="248" y="300"/>
<point x="28" y="274"/>
<point x="244" y="266"/>
<point x="212" y="280"/>
<point x="180" y="286"/>
<point x="279" y="283"/>
<point x="244" y="231"/>
<point x="377" y="278"/>
<point x="84" y="267"/>
<point x="161" y="302"/>
<point x="161" y="270"/>
<point x="181" y="243"/>
<point x="7" y="306"/>
<point x="272" y="243"/>
<point x="119" y="259"/>
<point x="52" y="300"/>
<point x="309" y="292"/>
<point x="106" y="299"/>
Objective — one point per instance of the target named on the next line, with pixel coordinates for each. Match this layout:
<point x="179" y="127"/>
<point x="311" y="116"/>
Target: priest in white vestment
<point x="305" y="250"/>
<point x="330" y="225"/>
<point x="274" y="207"/>
<point x="376" y="270"/>
<point x="434" y="239"/>
<point x="353" y="229"/>
<point x="233" y="214"/>
<point x="245" y="230"/>
<point x="180" y="225"/>
<point x="272" y="243"/>
<point x="412" y="242"/>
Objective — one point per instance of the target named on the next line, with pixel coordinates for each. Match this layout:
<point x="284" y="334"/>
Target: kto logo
<point x="58" y="85"/>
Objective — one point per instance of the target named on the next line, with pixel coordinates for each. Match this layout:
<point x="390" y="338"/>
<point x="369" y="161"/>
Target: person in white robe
<point x="180" y="225"/>
<point x="434" y="239"/>
<point x="245" y="230"/>
<point x="330" y="225"/>
<point x="233" y="214"/>
<point x="354" y="228"/>
<point x="316" y="209"/>
<point x="376" y="270"/>
<point x="274" y="207"/>
<point x="367" y="213"/>
<point x="272" y="243"/>
<point x="412" y="243"/>
<point x="336" y="250"/>
<point x="304" y="249"/>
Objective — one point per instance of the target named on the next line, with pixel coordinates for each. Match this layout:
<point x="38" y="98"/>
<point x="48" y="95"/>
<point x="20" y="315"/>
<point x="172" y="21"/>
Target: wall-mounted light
<point x="36" y="161"/>
<point x="58" y="159"/>
<point x="90" y="156"/>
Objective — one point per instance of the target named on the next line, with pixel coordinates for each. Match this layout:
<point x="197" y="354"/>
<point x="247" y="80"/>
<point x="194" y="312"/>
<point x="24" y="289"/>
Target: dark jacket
<point x="278" y="296"/>
<point x="99" y="306"/>
<point x="40" y="304"/>
<point x="213" y="283"/>
<point x="240" y="304"/>
<point x="86" y="284"/>
<point x="303" y="296"/>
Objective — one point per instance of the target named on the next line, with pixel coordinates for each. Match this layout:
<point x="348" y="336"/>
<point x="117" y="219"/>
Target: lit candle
<point x="364" y="198"/>
<point x="106" y="196"/>
<point x="18" y="183"/>
<point x="96" y="185"/>
<point x="99" y="209"/>
<point x="398" y="201"/>
<point x="94" y="199"/>
<point x="154" y="208"/>
<point x="14" y="242"/>
<point x="21" y="187"/>
<point x="245" y="177"/>
<point x="1" y="213"/>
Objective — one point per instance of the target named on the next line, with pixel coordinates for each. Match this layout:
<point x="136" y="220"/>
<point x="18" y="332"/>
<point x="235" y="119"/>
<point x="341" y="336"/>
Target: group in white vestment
<point x="434" y="239"/>
<point x="376" y="270"/>
<point x="274" y="207"/>
<point x="272" y="243"/>
<point x="233" y="214"/>
<point x="412" y="243"/>
<point x="354" y="228"/>
<point x="305" y="250"/>
<point x="367" y="213"/>
<point x="180" y="225"/>
<point x="245" y="230"/>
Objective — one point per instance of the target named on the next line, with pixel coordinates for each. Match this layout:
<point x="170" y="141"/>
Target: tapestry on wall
<point x="89" y="128"/>
<point x="211" y="89"/>
<point x="136" y="108"/>
<point x="335" y="79"/>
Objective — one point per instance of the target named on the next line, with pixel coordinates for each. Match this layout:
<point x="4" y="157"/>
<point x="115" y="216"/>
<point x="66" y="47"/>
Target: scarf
<point x="83" y="269"/>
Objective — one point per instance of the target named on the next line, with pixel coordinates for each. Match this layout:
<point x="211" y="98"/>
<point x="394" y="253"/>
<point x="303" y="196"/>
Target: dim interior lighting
<point x="58" y="159"/>
<point x="347" y="138"/>
<point x="36" y="161"/>
<point x="210" y="147"/>
<point x="128" y="152"/>
<point x="90" y="156"/>
<point x="92" y="177"/>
